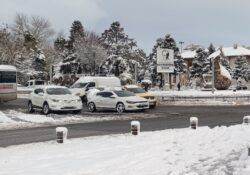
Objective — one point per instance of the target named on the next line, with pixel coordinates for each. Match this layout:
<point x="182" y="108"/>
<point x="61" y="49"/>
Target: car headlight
<point x="55" y="100"/>
<point x="130" y="102"/>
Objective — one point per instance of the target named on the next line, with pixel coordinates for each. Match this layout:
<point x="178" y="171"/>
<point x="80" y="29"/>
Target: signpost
<point x="165" y="62"/>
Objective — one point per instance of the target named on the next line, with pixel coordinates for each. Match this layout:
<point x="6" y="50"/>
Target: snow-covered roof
<point x="231" y="51"/>
<point x="131" y="86"/>
<point x="7" y="68"/>
<point x="186" y="54"/>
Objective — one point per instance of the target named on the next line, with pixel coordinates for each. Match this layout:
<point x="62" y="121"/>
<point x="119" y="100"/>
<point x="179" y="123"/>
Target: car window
<point x="107" y="94"/>
<point x="80" y="85"/>
<point x="39" y="82"/>
<point x="91" y="84"/>
<point x="102" y="94"/>
<point x="124" y="93"/>
<point x="37" y="91"/>
<point x="31" y="83"/>
<point x="58" y="91"/>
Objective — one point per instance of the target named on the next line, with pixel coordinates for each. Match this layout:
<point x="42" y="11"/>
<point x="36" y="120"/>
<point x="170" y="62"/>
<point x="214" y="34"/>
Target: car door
<point x="41" y="97"/>
<point x="36" y="97"/>
<point x="99" y="99"/>
<point x="109" y="101"/>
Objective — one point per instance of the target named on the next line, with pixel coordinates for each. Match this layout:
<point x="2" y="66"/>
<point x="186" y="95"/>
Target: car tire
<point x="91" y="107"/>
<point x="46" y="109"/>
<point x="30" y="107"/>
<point x="120" y="108"/>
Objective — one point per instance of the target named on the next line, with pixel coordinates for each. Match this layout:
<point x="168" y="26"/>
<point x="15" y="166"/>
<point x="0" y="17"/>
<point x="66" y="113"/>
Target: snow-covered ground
<point x="14" y="119"/>
<point x="205" y="151"/>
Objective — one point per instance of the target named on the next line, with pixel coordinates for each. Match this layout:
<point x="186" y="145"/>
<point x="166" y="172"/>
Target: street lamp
<point x="181" y="42"/>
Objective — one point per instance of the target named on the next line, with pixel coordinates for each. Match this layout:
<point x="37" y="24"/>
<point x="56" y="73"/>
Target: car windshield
<point x="80" y="85"/>
<point x="39" y="82"/>
<point x="124" y="93"/>
<point x="136" y="90"/>
<point x="58" y="91"/>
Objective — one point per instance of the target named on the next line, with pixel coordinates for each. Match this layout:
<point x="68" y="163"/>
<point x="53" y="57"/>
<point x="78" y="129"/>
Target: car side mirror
<point x="112" y="96"/>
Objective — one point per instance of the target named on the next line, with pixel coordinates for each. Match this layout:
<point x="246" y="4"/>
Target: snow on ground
<point x="205" y="151"/>
<point x="14" y="119"/>
<point x="199" y="93"/>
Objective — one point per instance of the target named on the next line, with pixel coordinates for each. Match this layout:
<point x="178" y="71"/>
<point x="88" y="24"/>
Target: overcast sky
<point x="222" y="22"/>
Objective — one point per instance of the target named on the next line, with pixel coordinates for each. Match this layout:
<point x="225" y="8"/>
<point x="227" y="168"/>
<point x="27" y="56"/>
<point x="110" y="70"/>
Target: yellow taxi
<point x="142" y="93"/>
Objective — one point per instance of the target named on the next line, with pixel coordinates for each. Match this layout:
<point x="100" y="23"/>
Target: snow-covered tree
<point x="123" y="53"/>
<point x="200" y="64"/>
<point x="211" y="49"/>
<point x="226" y="64"/>
<point x="179" y="64"/>
<point x="241" y="68"/>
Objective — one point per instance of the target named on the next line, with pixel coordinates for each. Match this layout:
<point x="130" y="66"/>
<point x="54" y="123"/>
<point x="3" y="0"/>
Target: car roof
<point x="49" y="86"/>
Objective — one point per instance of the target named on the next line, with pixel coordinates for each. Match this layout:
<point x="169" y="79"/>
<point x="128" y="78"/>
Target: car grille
<point x="68" y="108"/>
<point x="149" y="97"/>
<point x="141" y="106"/>
<point x="68" y="101"/>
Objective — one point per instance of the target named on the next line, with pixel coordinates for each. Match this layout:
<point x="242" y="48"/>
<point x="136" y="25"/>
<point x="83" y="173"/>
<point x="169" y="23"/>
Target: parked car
<point x="53" y="98"/>
<point x="83" y="84"/>
<point x="118" y="100"/>
<point x="241" y="87"/>
<point x="142" y="93"/>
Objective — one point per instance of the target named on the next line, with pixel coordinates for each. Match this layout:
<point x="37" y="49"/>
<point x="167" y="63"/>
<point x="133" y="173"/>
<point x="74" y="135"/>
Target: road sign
<point x="165" y="60"/>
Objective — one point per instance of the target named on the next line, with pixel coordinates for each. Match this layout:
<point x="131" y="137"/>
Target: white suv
<point x="118" y="100"/>
<point x="53" y="98"/>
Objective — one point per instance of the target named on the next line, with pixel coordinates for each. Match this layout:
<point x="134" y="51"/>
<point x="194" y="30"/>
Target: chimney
<point x="235" y="46"/>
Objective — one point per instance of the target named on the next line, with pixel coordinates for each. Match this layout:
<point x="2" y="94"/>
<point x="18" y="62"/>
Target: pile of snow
<point x="224" y="72"/>
<point x="221" y="150"/>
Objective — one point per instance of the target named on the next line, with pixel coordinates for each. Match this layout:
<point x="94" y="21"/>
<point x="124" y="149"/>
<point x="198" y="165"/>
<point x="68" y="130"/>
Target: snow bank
<point x="221" y="150"/>
<point x="225" y="72"/>
<point x="4" y="118"/>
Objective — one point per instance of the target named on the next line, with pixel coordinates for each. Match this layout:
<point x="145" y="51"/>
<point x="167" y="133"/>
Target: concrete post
<point x="193" y="122"/>
<point x="61" y="134"/>
<point x="135" y="127"/>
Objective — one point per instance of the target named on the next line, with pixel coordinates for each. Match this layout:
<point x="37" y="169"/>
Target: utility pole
<point x="212" y="75"/>
<point x="94" y="62"/>
<point x="181" y="42"/>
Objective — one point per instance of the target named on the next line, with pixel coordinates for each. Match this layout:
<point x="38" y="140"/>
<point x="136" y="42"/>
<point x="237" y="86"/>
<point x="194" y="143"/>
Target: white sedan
<point x="53" y="98"/>
<point x="118" y="100"/>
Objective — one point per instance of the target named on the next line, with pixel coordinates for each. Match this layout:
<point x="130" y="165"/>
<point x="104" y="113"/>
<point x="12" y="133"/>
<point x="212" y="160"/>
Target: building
<point x="232" y="53"/>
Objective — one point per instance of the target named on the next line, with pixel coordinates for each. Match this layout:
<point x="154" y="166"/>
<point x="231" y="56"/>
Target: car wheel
<point x="120" y="108"/>
<point x="46" y="109"/>
<point x="91" y="107"/>
<point x="30" y="107"/>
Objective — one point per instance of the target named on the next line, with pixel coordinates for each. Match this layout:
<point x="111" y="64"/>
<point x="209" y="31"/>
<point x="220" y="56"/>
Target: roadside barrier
<point x="193" y="122"/>
<point x="135" y="127"/>
<point x="61" y="134"/>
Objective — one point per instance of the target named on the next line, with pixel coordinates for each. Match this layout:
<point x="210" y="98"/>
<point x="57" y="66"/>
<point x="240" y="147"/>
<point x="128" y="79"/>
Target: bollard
<point x="193" y="122"/>
<point x="135" y="127"/>
<point x="61" y="134"/>
<point x="246" y="120"/>
<point x="248" y="151"/>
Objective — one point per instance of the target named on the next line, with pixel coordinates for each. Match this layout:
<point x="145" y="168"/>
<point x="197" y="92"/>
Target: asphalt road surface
<point x="167" y="117"/>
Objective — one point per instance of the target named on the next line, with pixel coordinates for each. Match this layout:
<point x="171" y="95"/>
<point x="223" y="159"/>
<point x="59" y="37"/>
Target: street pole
<point x="50" y="74"/>
<point x="212" y="75"/>
<point x="94" y="62"/>
<point x="136" y="73"/>
<point x="181" y="42"/>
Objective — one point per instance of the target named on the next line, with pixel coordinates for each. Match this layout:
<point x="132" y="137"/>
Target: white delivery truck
<point x="83" y="84"/>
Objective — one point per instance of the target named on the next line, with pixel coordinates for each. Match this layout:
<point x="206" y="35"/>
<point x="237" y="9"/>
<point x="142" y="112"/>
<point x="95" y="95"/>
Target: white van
<point x="83" y="84"/>
<point x="33" y="83"/>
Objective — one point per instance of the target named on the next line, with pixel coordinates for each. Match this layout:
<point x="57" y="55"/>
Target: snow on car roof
<point x="50" y="86"/>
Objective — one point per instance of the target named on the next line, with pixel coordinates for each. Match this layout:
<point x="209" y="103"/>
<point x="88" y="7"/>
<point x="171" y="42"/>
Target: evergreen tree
<point x="241" y="68"/>
<point x="226" y="64"/>
<point x="200" y="64"/>
<point x="211" y="49"/>
<point x="179" y="64"/>
<point x="122" y="51"/>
